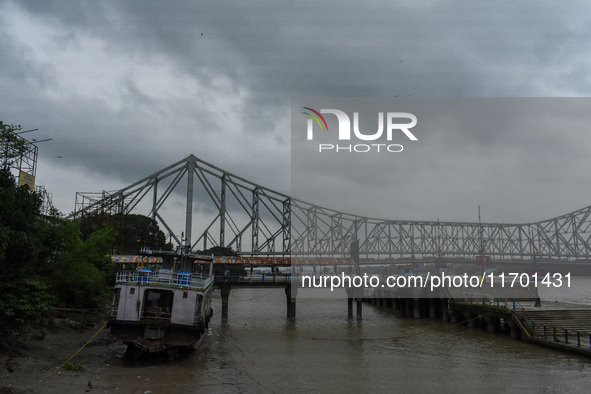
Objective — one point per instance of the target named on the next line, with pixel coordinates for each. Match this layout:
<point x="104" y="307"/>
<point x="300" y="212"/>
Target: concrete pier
<point x="225" y="293"/>
<point x="359" y="309"/>
<point x="432" y="310"/>
<point x="453" y="316"/>
<point x="409" y="306"/>
<point x="470" y="319"/>
<point x="491" y="323"/>
<point x="402" y="306"/>
<point x="444" y="312"/>
<point x="290" y="294"/>
<point x="349" y="307"/>
<point x="416" y="308"/>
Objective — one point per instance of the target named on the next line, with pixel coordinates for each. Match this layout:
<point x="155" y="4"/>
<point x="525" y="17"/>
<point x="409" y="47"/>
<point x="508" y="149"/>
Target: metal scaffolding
<point x="19" y="155"/>
<point x="16" y="152"/>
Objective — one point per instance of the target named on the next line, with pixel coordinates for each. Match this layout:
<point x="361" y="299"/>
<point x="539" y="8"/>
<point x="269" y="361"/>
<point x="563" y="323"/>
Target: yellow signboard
<point x="26" y="179"/>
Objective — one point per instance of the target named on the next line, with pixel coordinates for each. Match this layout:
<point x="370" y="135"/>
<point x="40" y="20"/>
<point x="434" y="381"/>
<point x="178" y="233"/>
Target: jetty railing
<point x="580" y="339"/>
<point x="166" y="278"/>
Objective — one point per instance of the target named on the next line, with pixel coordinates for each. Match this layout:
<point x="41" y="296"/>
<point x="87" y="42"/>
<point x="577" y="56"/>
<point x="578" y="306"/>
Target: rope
<point x="441" y="328"/>
<point x="78" y="351"/>
<point x="71" y="357"/>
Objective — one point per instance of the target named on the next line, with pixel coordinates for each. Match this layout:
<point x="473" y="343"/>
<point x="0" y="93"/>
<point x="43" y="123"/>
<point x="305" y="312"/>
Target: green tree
<point x="18" y="229"/>
<point x="44" y="262"/>
<point x="24" y="292"/>
<point x="12" y="147"/>
<point x="133" y="232"/>
<point x="138" y="231"/>
<point x="219" y="251"/>
<point x="83" y="269"/>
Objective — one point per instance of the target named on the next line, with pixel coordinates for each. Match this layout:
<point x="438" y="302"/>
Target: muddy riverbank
<point x="31" y="365"/>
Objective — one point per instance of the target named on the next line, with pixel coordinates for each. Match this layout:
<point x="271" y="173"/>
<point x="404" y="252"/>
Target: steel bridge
<point x="234" y="212"/>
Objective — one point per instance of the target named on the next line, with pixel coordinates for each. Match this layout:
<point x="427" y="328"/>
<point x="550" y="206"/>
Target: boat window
<point x="158" y="301"/>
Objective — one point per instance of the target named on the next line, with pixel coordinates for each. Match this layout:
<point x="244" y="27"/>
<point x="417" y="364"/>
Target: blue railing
<point x="166" y="278"/>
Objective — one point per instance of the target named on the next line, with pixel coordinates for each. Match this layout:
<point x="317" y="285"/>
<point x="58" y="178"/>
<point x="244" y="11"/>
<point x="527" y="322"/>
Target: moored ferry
<point x="159" y="308"/>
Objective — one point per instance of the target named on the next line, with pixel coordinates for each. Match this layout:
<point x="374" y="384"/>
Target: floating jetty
<point x="555" y="325"/>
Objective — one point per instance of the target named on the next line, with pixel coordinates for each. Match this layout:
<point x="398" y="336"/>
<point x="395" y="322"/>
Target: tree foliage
<point x="83" y="269"/>
<point x="12" y="147"/>
<point x="49" y="261"/>
<point x="133" y="232"/>
<point x="219" y="251"/>
<point x="23" y="290"/>
<point x="44" y="262"/>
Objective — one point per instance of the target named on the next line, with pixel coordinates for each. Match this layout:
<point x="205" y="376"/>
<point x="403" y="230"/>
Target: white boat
<point x="161" y="309"/>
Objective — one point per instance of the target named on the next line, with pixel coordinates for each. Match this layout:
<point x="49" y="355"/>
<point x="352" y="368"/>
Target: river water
<point x="258" y="350"/>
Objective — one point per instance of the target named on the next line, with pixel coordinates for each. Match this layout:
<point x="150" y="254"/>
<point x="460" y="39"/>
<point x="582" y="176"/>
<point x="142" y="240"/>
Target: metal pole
<point x="155" y="198"/>
<point x="189" y="217"/>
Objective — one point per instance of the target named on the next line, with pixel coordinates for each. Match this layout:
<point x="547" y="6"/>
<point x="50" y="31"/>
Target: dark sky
<point x="126" y="88"/>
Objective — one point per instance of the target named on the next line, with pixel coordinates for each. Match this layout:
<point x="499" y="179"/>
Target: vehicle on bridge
<point x="163" y="307"/>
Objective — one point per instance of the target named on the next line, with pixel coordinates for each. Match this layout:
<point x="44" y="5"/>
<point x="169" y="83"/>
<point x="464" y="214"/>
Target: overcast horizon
<point x="125" y="89"/>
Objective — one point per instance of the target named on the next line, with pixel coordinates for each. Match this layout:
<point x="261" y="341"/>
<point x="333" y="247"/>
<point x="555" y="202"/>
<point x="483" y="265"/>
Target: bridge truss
<point x="254" y="220"/>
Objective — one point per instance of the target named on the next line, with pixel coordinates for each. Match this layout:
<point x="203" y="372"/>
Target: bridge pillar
<point x="416" y="308"/>
<point x="402" y="306"/>
<point x="359" y="308"/>
<point x="225" y="293"/>
<point x="290" y="294"/>
<point x="408" y="309"/>
<point x="492" y="323"/>
<point x="471" y="319"/>
<point x="388" y="302"/>
<point x="380" y="300"/>
<point x="395" y="303"/>
<point x="444" y="314"/>
<point x="432" y="311"/>
<point x="354" y="294"/>
<point x="515" y="332"/>
<point x="349" y="307"/>
<point x="453" y="316"/>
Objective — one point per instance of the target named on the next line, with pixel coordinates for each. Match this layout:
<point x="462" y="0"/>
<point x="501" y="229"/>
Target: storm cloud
<point x="127" y="88"/>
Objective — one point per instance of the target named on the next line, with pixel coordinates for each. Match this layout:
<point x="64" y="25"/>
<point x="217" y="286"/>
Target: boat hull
<point x="171" y="336"/>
